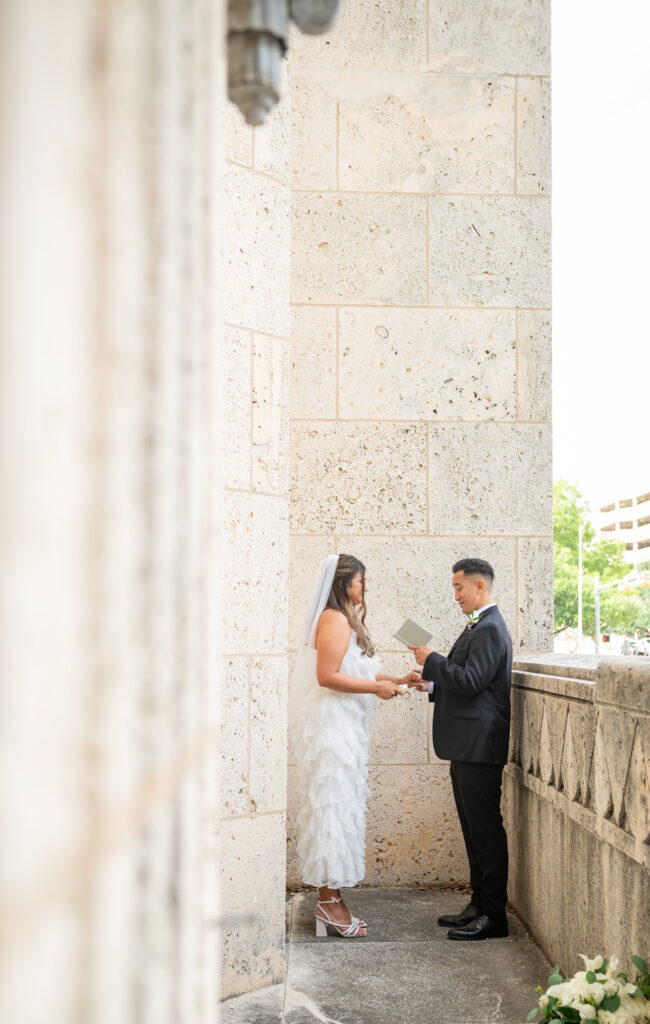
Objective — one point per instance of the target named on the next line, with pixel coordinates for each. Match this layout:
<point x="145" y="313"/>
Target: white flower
<point x="543" y="1002"/>
<point x="582" y="988"/>
<point x="597" y="993"/>
<point x="620" y="1016"/>
<point x="562" y="992"/>
<point x="611" y="987"/>
<point x="612" y="966"/>
<point x="592" y="965"/>
<point x="634" y="1007"/>
<point x="587" y="1011"/>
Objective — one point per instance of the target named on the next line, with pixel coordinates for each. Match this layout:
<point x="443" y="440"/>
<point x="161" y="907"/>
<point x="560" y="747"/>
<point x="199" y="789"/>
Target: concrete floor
<point x="404" y="970"/>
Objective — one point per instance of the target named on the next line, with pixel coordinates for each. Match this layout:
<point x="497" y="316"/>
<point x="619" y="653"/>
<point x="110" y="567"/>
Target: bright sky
<point x="601" y="244"/>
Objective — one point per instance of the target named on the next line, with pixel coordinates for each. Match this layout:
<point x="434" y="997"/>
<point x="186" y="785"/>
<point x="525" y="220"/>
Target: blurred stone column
<point x="110" y="357"/>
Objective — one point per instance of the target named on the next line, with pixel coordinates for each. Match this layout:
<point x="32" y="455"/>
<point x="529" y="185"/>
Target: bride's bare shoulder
<point x="333" y="623"/>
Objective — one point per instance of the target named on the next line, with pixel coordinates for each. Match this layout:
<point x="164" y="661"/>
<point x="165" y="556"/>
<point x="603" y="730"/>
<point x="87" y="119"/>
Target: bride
<point x="335" y="677"/>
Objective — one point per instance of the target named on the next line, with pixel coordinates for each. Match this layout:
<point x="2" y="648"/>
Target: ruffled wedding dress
<point x="332" y="758"/>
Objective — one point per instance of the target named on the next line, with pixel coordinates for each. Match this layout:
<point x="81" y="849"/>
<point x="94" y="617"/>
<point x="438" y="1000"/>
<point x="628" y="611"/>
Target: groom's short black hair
<point x="475" y="567"/>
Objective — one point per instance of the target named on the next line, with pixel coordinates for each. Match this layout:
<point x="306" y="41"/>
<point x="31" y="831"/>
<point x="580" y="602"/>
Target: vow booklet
<point x="411" y="633"/>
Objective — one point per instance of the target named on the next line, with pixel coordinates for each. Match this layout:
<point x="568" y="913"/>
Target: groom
<point x="471" y="726"/>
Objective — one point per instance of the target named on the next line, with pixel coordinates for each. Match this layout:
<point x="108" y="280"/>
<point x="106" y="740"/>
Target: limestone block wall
<point x="253" y="757"/>
<point x="110" y="406"/>
<point x="420" y="358"/>
<point x="577" y="805"/>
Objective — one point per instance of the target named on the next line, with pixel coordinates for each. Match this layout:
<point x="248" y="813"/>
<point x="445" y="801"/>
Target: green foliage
<point x="611" y="1003"/>
<point x="619" y="612"/>
<point x="642" y="980"/>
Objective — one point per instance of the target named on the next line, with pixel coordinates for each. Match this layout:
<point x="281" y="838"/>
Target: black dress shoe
<point x="482" y="927"/>
<point x="467" y="914"/>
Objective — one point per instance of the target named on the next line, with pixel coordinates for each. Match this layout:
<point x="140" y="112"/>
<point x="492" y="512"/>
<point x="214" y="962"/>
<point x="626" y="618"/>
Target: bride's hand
<point x="412" y="678"/>
<point x="386" y="688"/>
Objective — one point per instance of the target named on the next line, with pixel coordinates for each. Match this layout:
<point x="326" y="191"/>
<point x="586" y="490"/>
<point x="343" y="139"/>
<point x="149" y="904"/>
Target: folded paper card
<point x="411" y="633"/>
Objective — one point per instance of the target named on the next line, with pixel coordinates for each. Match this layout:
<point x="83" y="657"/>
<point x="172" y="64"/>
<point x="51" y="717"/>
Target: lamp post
<point x="581" y="528"/>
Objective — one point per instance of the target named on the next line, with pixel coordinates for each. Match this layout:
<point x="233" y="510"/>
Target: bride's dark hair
<point x="347" y="568"/>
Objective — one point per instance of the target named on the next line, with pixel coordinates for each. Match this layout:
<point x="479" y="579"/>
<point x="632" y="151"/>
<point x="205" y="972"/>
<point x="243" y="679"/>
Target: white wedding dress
<point x="332" y="757"/>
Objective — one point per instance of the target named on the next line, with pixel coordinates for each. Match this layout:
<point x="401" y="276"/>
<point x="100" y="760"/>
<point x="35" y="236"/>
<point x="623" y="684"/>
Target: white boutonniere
<point x="472" y="619"/>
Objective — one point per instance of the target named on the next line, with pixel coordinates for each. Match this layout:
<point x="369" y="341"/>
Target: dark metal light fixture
<point x="258" y="37"/>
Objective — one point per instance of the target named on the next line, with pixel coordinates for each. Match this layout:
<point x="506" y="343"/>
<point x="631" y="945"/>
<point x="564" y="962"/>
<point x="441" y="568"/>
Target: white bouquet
<point x="598" y="993"/>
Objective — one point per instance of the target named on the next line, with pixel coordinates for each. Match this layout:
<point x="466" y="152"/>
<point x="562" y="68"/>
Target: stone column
<point x="420" y="395"/>
<point x="253" y="802"/>
<point x="110" y="348"/>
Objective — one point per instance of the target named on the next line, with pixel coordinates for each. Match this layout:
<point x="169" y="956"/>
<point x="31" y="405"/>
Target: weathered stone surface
<point x="399" y="975"/>
<point x="489" y="251"/>
<point x="490" y="478"/>
<point x="385" y="34"/>
<point x="262" y="1007"/>
<point x="268" y="734"/>
<point x="623" y="681"/>
<point x="234" y="738"/>
<point x="578" y="777"/>
<point x="358" y="248"/>
<point x="305" y="556"/>
<point x="578" y="750"/>
<point x="270" y="414"/>
<point x="504" y="36"/>
<point x="534" y="364"/>
<point x="609" y="892"/>
<point x="312" y="391"/>
<point x="535" y="589"/>
<point x="252" y="876"/>
<point x="562" y="669"/>
<point x="533" y="136"/>
<point x="413" y="834"/>
<point x="271" y="141"/>
<point x="358" y="476"/>
<point x="427" y="364"/>
<point x="420" y="133"/>
<point x="313" y="132"/>
<point x="256" y="553"/>
<point x="238" y="136"/>
<point x="257" y="268"/>
<point x="237" y="388"/>
<point x="390" y="970"/>
<point x="398" y="727"/>
<point x="410" y="577"/>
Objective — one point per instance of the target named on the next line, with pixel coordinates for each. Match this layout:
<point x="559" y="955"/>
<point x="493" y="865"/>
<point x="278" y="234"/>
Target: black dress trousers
<point x="477" y="792"/>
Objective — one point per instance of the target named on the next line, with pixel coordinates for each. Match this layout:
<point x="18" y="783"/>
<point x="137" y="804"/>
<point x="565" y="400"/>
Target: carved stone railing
<point x="576" y="804"/>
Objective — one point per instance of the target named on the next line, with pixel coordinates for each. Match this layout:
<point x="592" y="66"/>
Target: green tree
<point x="619" y="612"/>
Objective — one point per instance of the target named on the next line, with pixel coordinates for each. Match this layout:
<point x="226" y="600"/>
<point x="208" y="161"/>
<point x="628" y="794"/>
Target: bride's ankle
<point x="329" y="894"/>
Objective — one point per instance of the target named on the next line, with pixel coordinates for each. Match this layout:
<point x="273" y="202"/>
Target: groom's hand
<point x="421" y="653"/>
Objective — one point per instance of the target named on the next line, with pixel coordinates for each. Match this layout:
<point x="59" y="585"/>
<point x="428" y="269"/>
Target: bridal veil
<point x="304" y="683"/>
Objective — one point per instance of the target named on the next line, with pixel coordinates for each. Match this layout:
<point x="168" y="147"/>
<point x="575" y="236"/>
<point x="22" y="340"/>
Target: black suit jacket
<point x="471" y="720"/>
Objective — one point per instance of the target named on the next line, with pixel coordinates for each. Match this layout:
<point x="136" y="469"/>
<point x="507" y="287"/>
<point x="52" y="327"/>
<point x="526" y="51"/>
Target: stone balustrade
<point x="576" y="804"/>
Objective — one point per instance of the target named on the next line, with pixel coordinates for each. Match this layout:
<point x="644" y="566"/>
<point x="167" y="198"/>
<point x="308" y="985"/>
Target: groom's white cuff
<point x="431" y="685"/>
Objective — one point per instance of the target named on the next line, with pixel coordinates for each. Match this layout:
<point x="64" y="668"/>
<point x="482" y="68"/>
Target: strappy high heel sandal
<point x="346" y="931"/>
